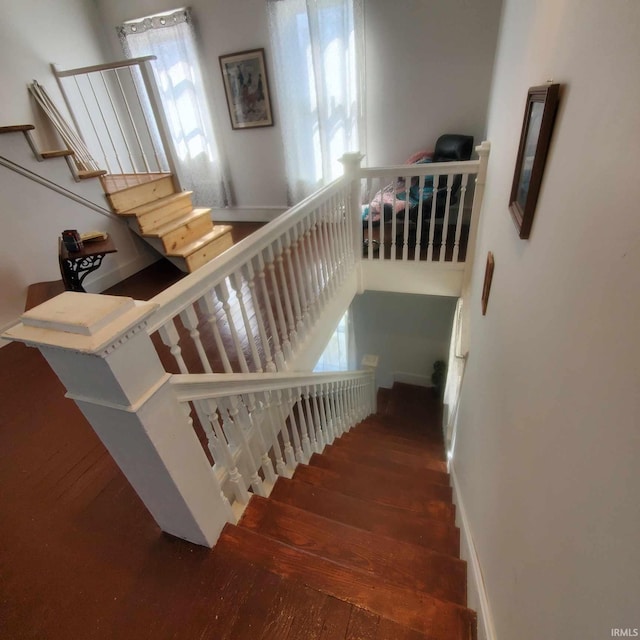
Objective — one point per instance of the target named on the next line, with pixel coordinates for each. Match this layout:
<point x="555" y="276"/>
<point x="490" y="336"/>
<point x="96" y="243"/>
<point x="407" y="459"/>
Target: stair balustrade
<point x="116" y="110"/>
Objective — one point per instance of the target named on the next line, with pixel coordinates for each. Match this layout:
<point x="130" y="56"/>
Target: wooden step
<point x="140" y="194"/>
<point x="17" y="128"/>
<point x="161" y="212"/>
<point x="382" y="479"/>
<point x="390" y="522"/>
<point x="421" y="431"/>
<point x="438" y="619"/>
<point x="206" y="248"/>
<point x="418" y="474"/>
<point x="394" y="442"/>
<point x="255" y="603"/>
<point x="184" y="230"/>
<point x="372" y="447"/>
<point x="400" y="563"/>
<point x="87" y="175"/>
<point x="359" y="487"/>
<point x="56" y="153"/>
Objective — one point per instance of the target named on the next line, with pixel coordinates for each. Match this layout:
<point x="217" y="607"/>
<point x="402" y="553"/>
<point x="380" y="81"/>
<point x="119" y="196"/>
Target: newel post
<point x="352" y="167"/>
<point x="99" y="348"/>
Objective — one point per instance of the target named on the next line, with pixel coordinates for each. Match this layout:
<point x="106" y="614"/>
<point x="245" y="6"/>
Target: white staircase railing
<point x="253" y="310"/>
<point x="258" y="427"/>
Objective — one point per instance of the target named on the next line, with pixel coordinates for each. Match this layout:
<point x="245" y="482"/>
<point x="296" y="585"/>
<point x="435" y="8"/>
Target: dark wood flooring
<point x="360" y="543"/>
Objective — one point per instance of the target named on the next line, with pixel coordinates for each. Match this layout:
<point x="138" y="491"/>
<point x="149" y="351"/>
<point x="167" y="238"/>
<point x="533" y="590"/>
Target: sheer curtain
<point x="318" y="51"/>
<point x="170" y="37"/>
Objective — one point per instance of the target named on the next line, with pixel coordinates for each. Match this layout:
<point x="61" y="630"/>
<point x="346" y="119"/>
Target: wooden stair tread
<point x="86" y="175"/>
<point x="164" y="229"/>
<point x="56" y="153"/>
<point x="421" y="433"/>
<point x="156" y="204"/>
<point x="218" y="231"/>
<point x="380" y="440"/>
<point x="439" y="619"/>
<point x="16" y="128"/>
<point x="390" y="496"/>
<point x="401" y="563"/>
<point x="423" y="483"/>
<point x="350" y="454"/>
<point x="385" y="520"/>
<point x="418" y="460"/>
<point x="117" y="183"/>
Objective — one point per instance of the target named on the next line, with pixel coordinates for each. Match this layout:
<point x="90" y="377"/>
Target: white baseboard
<point x="247" y="214"/>
<point x="477" y="593"/>
<point x="412" y="378"/>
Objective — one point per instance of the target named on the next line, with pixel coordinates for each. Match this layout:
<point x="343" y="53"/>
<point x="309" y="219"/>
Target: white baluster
<point x="288" y="449"/>
<point x="287" y="339"/>
<point x="335" y="408"/>
<point x="223" y="295"/>
<point x="230" y="406"/>
<point x="304" y="269"/>
<point x="321" y="435"/>
<point x="189" y="319"/>
<point x="300" y="457"/>
<point x="463" y="193"/>
<point x="269" y="411"/>
<point x="369" y="223"/>
<point x="277" y="347"/>
<point x="212" y="442"/>
<point x="316" y="436"/>
<point x="208" y="308"/>
<point x="251" y="280"/>
<point x="394" y="222"/>
<point x="416" y="253"/>
<point x="297" y="291"/>
<point x="239" y="486"/>
<point x="117" y="118"/>
<point x="405" y="239"/>
<point x="284" y="287"/>
<point x="236" y="283"/>
<point x="169" y="336"/>
<point x="340" y="408"/>
<point x="337" y="242"/>
<point x="304" y="427"/>
<point x="445" y="222"/>
<point x="325" y="230"/>
<point x="311" y="267"/>
<point x="328" y="427"/>
<point x="432" y="221"/>
<point x="381" y="187"/>
<point x="267" y="465"/>
<point x="320" y="258"/>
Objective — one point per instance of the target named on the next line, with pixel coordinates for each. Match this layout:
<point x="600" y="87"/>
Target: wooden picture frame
<point x="539" y="117"/>
<point x="247" y="89"/>
<point x="488" y="277"/>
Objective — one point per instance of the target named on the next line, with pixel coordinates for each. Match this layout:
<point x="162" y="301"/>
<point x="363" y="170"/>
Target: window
<point x="169" y="36"/>
<point x="317" y="46"/>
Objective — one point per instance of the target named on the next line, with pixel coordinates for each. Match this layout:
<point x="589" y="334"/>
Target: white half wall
<point x="548" y="440"/>
<point x="408" y="333"/>
<point x="428" y="72"/>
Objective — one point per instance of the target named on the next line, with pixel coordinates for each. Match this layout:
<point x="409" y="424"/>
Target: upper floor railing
<point x="116" y="109"/>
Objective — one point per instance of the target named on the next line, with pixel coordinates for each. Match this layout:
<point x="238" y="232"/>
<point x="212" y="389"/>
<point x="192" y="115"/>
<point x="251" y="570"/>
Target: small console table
<point x="75" y="266"/>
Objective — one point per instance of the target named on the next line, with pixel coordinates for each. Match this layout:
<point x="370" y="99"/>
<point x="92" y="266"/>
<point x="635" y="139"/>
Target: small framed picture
<point x="247" y="89"/>
<point x="539" y="116"/>
<point x="488" y="277"/>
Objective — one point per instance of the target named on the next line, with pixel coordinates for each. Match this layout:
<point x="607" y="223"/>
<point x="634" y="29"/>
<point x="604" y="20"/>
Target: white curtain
<point x="318" y="52"/>
<point x="170" y="37"/>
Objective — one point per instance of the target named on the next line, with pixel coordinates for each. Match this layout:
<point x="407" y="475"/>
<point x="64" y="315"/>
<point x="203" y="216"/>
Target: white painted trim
<point x="247" y="214"/>
<point x="475" y="581"/>
<point x="412" y="378"/>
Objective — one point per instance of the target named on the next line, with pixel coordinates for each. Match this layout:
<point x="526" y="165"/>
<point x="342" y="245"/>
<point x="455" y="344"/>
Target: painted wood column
<point x="99" y="348"/>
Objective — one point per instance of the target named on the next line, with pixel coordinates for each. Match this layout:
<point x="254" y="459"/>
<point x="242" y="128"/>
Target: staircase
<point x="359" y="543"/>
<point x="167" y="219"/>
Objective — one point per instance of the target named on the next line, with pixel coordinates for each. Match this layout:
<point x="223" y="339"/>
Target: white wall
<point x="428" y="72"/>
<point x="548" y="438"/>
<point x="408" y="333"/>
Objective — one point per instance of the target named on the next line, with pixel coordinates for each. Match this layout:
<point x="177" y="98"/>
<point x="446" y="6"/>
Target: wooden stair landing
<point x="353" y="546"/>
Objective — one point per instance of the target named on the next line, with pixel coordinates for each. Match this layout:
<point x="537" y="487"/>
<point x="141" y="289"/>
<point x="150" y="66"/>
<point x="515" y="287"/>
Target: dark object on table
<point x="72" y="240"/>
<point x="75" y="266"/>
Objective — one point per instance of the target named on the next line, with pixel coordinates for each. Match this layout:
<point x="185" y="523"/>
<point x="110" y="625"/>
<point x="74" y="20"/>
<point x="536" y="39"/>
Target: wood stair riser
<point x="439" y="619"/>
<point x="128" y="199"/>
<point x="209" y="251"/>
<point x="397" y="562"/>
<point x="187" y="233"/>
<point x="166" y="212"/>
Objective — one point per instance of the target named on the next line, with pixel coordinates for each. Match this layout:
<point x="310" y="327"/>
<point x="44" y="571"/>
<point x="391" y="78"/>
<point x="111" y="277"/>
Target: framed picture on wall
<point x="247" y="89"/>
<point x="539" y="117"/>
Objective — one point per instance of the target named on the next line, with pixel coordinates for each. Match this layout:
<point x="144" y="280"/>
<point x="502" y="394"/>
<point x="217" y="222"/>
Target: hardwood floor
<point x="81" y="557"/>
